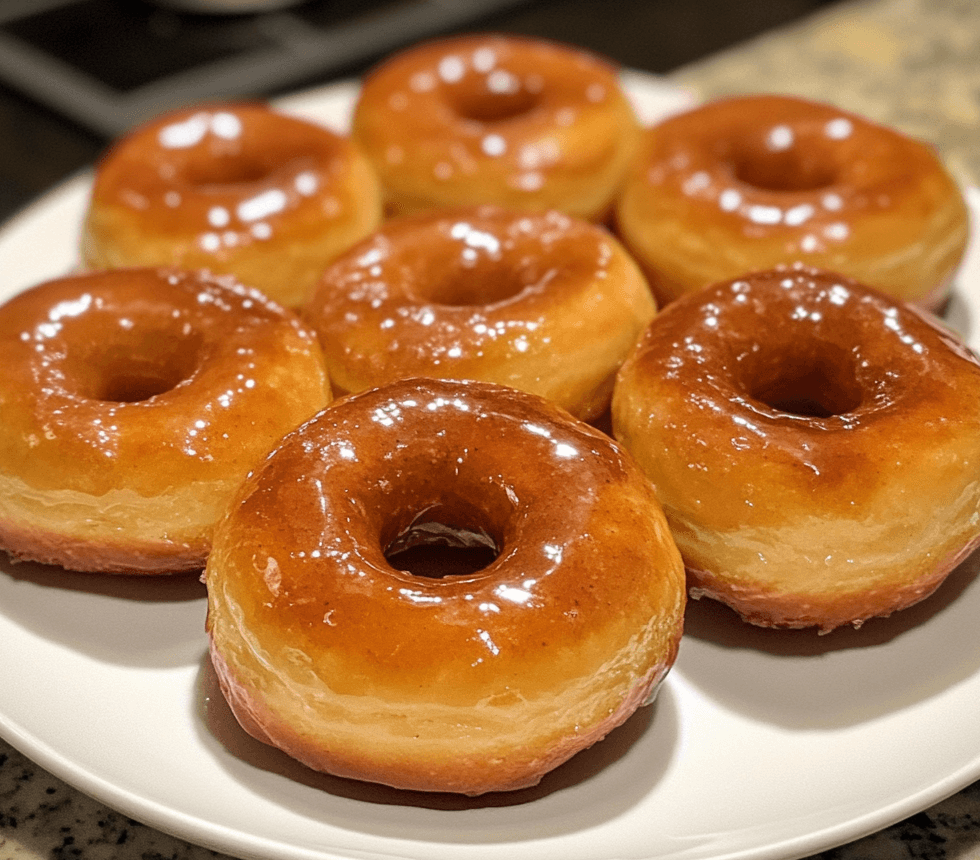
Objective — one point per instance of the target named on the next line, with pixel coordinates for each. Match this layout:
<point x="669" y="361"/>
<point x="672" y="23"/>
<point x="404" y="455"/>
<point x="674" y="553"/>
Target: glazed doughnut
<point x="538" y="301"/>
<point x="745" y="184"/>
<point x="237" y="188"/>
<point x="507" y="120"/>
<point x="815" y="445"/>
<point x="134" y="402"/>
<point x="481" y="679"/>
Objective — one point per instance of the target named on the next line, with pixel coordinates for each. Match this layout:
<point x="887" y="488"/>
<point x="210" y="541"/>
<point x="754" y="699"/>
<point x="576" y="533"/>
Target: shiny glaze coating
<point x="132" y="405"/>
<point x="234" y="188"/>
<point x="497" y="119"/>
<point x="747" y="183"/>
<point x="816" y="446"/>
<point x="538" y="301"/>
<point x="465" y="683"/>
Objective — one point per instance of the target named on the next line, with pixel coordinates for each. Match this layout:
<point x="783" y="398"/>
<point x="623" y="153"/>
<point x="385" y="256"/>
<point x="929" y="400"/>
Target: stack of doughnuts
<point x="496" y="260"/>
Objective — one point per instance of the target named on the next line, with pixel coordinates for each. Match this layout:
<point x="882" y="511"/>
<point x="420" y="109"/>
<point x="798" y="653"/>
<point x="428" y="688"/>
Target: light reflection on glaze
<point x="193" y="130"/>
<point x="476" y="239"/>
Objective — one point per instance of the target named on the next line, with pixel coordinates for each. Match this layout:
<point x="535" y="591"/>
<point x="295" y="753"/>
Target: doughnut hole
<point x="437" y="544"/>
<point x="482" y="262"/>
<point x="475" y="99"/>
<point x="483" y="285"/>
<point x="136" y="365"/>
<point x="450" y="537"/>
<point x="813" y="383"/>
<point x="469" y="269"/>
<point x="236" y="169"/>
<point x="804" y="166"/>
<point x="231" y="169"/>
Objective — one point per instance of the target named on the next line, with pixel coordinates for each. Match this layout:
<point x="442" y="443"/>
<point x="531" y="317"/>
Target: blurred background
<point x="76" y="73"/>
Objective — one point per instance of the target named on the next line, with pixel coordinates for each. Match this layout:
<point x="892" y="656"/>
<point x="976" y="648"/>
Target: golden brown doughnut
<point x="234" y="188"/>
<point x="815" y="445"/>
<point x="538" y="301"/>
<point x="134" y="402"/>
<point x="744" y="184"/>
<point x="469" y="682"/>
<point x="509" y="120"/>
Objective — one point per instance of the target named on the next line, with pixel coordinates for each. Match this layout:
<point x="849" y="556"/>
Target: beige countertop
<point x="911" y="63"/>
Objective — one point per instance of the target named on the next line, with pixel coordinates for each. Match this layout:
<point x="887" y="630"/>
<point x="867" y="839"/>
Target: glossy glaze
<point x="236" y="188"/>
<point x="133" y="403"/>
<point x="497" y="119"/>
<point x="464" y="683"/>
<point x="816" y="446"/>
<point x="747" y="183"/>
<point x="541" y="302"/>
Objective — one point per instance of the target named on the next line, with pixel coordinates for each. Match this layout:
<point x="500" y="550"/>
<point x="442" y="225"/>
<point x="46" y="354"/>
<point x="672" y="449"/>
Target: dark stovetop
<point x="74" y="73"/>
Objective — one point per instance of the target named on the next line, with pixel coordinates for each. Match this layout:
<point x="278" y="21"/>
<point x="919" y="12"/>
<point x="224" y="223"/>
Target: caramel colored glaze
<point x="133" y="403"/>
<point x="815" y="445"/>
<point x="236" y="188"/>
<point x="745" y="184"/>
<point x="497" y="119"/>
<point x="537" y="301"/>
<point x="463" y="683"/>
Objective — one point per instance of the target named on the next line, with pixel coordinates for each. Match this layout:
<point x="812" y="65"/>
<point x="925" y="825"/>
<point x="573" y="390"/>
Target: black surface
<point x="124" y="45"/>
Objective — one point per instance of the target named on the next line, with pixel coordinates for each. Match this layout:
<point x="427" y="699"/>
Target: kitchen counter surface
<point x="911" y="63"/>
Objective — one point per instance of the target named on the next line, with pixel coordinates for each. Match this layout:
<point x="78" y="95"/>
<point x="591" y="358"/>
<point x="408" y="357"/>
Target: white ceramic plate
<point x="761" y="744"/>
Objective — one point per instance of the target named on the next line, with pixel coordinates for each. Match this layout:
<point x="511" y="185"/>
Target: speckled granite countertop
<point x="911" y="63"/>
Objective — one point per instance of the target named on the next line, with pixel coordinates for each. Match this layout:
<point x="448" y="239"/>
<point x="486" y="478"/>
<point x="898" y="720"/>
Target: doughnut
<point x="543" y="302"/>
<point x="814" y="443"/>
<point x="134" y="402"/>
<point x="748" y="183"/>
<point x="238" y="189"/>
<point x="508" y="120"/>
<point x="330" y="645"/>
